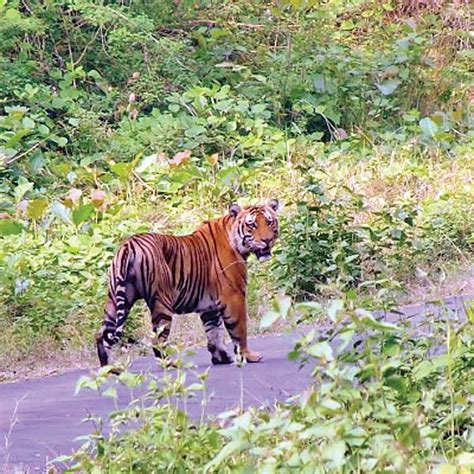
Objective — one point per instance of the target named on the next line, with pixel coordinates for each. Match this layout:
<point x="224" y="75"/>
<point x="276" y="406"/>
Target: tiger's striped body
<point x="205" y="272"/>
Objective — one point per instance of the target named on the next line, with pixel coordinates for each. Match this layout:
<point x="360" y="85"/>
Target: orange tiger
<point x="205" y="272"/>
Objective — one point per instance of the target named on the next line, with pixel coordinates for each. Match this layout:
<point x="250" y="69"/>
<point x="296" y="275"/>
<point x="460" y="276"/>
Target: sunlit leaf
<point x="180" y="158"/>
<point x="213" y="159"/>
<point x="10" y="227"/>
<point x="321" y="350"/>
<point x="334" y="454"/>
<point x="111" y="392"/>
<point x="335" y="306"/>
<point x="82" y="213"/>
<point x="23" y="187"/>
<point x="283" y="304"/>
<point x="428" y="127"/>
<point x="36" y="208"/>
<point x="61" y="211"/>
<point x="97" y="197"/>
<point x="269" y="318"/>
<point x="388" y="87"/>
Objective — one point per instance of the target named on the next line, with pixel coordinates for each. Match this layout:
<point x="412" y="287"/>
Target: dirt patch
<point x="432" y="286"/>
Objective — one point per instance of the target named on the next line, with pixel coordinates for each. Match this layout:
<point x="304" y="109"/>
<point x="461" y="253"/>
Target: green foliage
<point x="119" y="117"/>
<point x="320" y="243"/>
<point x="377" y="402"/>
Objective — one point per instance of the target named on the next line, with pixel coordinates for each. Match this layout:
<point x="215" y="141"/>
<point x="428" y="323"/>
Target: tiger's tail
<point x="117" y="307"/>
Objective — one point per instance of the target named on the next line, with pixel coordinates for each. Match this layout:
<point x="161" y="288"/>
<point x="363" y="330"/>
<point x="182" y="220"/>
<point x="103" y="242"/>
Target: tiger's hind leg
<point x="116" y="311"/>
<point x="161" y="319"/>
<point x="214" y="327"/>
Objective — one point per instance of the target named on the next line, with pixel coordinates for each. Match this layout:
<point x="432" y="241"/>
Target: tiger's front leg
<point x="214" y="327"/>
<point x="235" y="321"/>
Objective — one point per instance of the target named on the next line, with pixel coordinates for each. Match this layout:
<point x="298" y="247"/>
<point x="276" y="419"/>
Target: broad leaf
<point x="36" y="208"/>
<point x="10" y="227"/>
<point x="388" y="87"/>
<point x="428" y="127"/>
<point x="268" y="319"/>
<point x="82" y="213"/>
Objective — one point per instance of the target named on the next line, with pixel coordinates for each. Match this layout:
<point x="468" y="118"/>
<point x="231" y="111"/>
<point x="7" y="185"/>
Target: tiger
<point x="204" y="272"/>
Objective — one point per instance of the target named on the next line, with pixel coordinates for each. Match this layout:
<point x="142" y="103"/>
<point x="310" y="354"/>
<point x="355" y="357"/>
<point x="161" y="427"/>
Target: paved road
<point x="49" y="417"/>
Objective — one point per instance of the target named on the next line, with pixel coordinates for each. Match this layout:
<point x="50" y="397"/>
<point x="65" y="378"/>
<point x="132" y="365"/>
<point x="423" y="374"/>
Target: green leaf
<point x="308" y="305"/>
<point x="36" y="208"/>
<point x="330" y="404"/>
<point x="268" y="319"/>
<point x="61" y="211"/>
<point x="94" y="74"/>
<point x="60" y="141"/>
<point x="194" y="131"/>
<point x="111" y="392"/>
<point x="85" y="382"/>
<point x="122" y="170"/>
<point x="334" y="308"/>
<point x="423" y="369"/>
<point x="347" y="25"/>
<point x="396" y="382"/>
<point x="334" y="454"/>
<point x="388" y="87"/>
<point x="58" y="103"/>
<point x="367" y="318"/>
<point x="43" y="129"/>
<point x="74" y="122"/>
<point x="10" y="227"/>
<point x="62" y="458"/>
<point x="428" y="127"/>
<point x="226" y="451"/>
<point x="321" y="350"/>
<point x="283" y="303"/>
<point x="129" y="379"/>
<point x="195" y="386"/>
<point x="23" y="187"/>
<point x="12" y="15"/>
<point x="28" y="123"/>
<point x="82" y="213"/>
<point x="174" y="108"/>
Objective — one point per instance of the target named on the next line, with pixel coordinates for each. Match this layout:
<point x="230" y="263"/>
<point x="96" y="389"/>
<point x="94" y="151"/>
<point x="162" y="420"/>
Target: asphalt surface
<point x="40" y="418"/>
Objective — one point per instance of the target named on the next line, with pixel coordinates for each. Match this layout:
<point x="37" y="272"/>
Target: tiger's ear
<point x="274" y="204"/>
<point x="234" y="209"/>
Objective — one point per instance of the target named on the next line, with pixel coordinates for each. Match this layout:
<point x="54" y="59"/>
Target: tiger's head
<point x="255" y="229"/>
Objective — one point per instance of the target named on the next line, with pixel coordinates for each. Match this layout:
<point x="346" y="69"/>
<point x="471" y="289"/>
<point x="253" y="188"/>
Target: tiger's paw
<point x="221" y="357"/>
<point x="252" y="356"/>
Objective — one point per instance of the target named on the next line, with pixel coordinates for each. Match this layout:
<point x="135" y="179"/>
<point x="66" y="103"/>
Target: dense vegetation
<point x="377" y="406"/>
<point x="119" y="117"/>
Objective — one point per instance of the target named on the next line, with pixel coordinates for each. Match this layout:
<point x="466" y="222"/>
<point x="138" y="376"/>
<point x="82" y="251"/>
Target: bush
<point x="319" y="243"/>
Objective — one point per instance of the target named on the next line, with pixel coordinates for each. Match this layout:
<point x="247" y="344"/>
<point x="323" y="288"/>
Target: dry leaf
<point x="22" y="206"/>
<point x="97" y="197"/>
<point x="213" y="159"/>
<point x="180" y="158"/>
<point x="73" y="197"/>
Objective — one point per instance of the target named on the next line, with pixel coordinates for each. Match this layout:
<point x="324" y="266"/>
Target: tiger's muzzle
<point x="264" y="251"/>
